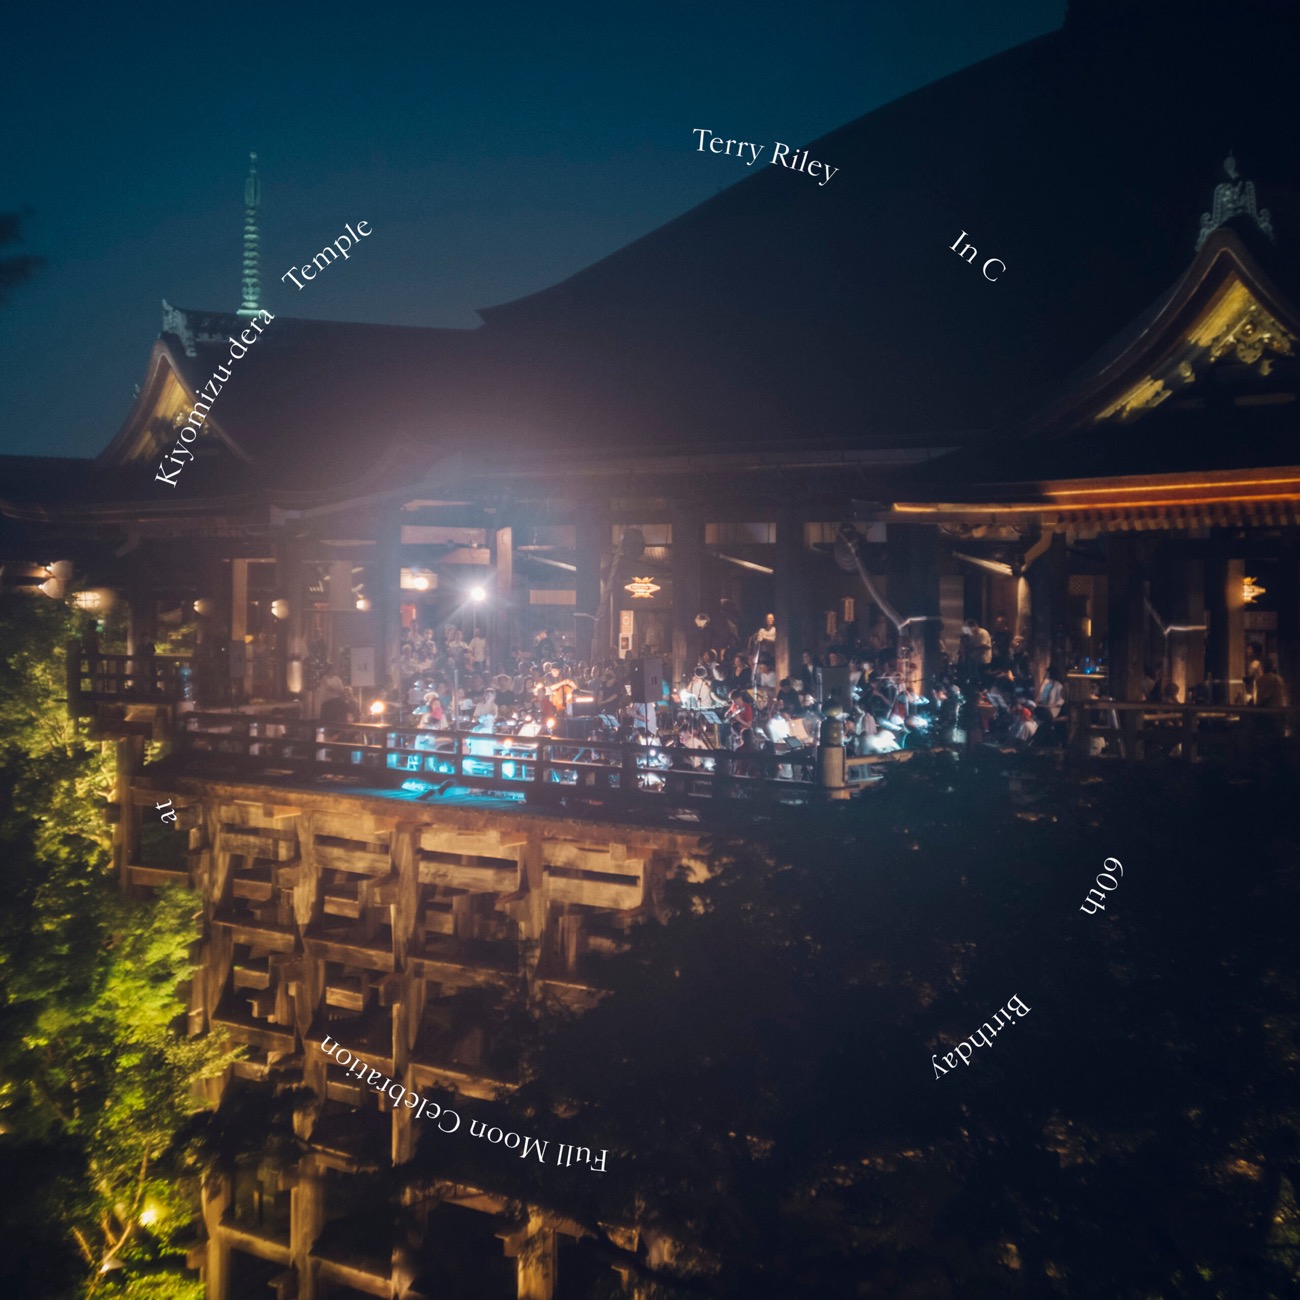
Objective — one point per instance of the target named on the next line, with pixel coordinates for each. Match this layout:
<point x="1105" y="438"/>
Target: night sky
<point x="494" y="150"/>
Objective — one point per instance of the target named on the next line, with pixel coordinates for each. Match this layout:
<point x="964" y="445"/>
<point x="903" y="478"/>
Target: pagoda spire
<point x="251" y="304"/>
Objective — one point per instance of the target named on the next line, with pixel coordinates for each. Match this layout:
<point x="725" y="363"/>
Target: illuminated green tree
<point x="95" y="1072"/>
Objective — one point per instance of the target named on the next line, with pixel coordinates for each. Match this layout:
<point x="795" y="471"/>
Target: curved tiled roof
<point x="782" y="312"/>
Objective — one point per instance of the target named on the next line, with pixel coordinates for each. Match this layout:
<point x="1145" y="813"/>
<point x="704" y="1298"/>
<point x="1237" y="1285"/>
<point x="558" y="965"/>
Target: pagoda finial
<point x="251" y="304"/>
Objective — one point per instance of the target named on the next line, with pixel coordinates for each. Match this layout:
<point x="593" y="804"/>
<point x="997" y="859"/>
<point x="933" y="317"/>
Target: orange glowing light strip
<point x="1047" y="507"/>
<point x="1181" y="487"/>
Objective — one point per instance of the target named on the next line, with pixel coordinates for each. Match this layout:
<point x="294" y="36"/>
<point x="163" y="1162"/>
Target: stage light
<point x="478" y="595"/>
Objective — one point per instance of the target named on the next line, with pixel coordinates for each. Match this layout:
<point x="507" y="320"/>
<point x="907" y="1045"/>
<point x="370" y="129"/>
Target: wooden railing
<point x="1185" y="731"/>
<point x="535" y="766"/>
<point x="132" y="678"/>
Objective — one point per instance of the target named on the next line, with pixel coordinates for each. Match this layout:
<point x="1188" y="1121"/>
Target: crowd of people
<point x="731" y="698"/>
<point x="984" y="691"/>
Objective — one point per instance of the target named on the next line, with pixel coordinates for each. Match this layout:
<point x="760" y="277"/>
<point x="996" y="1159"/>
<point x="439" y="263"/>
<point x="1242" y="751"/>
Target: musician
<point x="698" y="692"/>
<point x="609" y="693"/>
<point x="765" y="636"/>
<point x="740" y="713"/>
<point x="740" y="678"/>
<point x="560" y="689"/>
<point x="788" y="699"/>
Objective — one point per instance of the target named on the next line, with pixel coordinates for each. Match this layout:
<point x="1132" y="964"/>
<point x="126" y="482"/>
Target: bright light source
<point x="478" y="595"/>
<point x="204" y="606"/>
<point x="363" y="604"/>
<point x="52" y="588"/>
<point x="280" y="608"/>
<point x="61" y="569"/>
<point x="149" y="1216"/>
<point x="421" y="583"/>
<point x="377" y="707"/>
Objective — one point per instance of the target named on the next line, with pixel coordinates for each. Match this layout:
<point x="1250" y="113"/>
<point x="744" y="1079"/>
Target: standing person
<point x="1270" y="689"/>
<point x="765" y="636"/>
<point x="1254" y="670"/>
<point x="1051" y="697"/>
<point x="478" y="649"/>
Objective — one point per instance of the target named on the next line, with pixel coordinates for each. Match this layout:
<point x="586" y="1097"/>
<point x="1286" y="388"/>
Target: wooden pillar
<point x="535" y="1253"/>
<point x="1225" y="642"/>
<point x="290" y="632"/>
<point x="1288" y="629"/>
<point x="1187" y="609"/>
<point x="501" y="623"/>
<point x="126" y="831"/>
<point x="388" y="590"/>
<point x="917" y="587"/>
<point x="593" y="633"/>
<point x="215" y="1201"/>
<point x="306" y="1220"/>
<point x="1049" y="602"/>
<point x="790" y="591"/>
<point x="141" y="621"/>
<point x="1126" y="616"/>
<point x="687" y="557"/>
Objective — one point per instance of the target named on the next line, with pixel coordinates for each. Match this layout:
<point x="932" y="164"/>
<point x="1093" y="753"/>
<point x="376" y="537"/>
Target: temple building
<point x="803" y="400"/>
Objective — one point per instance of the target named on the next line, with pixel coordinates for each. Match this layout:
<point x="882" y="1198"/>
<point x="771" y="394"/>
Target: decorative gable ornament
<point x="1233" y="198"/>
<point x="174" y="321"/>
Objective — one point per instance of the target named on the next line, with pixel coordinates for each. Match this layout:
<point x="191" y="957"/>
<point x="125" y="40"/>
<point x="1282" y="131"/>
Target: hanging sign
<point x="641" y="588"/>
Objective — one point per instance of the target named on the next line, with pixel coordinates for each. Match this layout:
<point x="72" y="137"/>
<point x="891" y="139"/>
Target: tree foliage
<point x="95" y="1074"/>
<point x="762" y="1069"/>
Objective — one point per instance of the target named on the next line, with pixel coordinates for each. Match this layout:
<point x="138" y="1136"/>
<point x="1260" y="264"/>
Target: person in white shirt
<point x="1051" y="695"/>
<point x="478" y="647"/>
<point x="698" y="692"/>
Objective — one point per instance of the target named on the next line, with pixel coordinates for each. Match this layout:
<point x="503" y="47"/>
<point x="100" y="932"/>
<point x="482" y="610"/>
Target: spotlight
<point x="478" y="595"/>
<point x="377" y="708"/>
<point x="280" y="609"/>
<point x="204" y="606"/>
